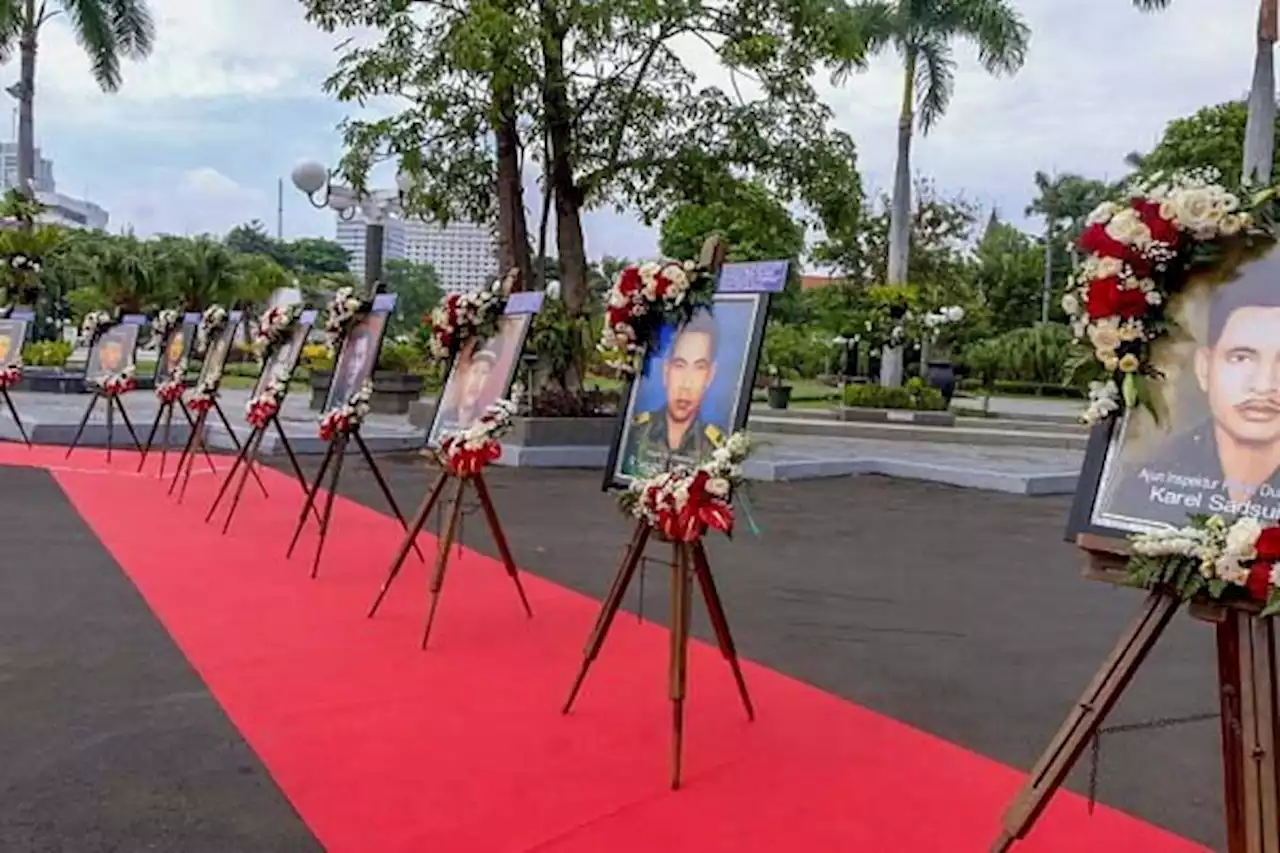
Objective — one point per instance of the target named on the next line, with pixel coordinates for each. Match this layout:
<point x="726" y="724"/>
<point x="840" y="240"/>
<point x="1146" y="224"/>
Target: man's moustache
<point x="1270" y="404"/>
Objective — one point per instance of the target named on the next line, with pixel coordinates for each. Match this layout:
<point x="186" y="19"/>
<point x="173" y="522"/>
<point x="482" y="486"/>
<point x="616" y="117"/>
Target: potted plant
<point x="779" y="393"/>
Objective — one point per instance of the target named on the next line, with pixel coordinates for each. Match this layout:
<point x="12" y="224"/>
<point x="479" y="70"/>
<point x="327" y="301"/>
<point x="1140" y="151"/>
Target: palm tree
<point x="108" y="30"/>
<point x="921" y="31"/>
<point x="1259" y="134"/>
<point x="1048" y="204"/>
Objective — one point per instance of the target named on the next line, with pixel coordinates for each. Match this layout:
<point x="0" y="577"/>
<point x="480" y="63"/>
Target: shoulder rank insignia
<point x="643" y="417"/>
<point x="714" y="433"/>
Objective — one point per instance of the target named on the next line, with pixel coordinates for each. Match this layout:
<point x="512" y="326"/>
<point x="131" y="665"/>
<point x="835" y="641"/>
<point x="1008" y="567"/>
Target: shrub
<point x="588" y="403"/>
<point x="1036" y="389"/>
<point x="1035" y="354"/>
<point x="46" y="353"/>
<point x="242" y="353"/>
<point x="317" y="357"/>
<point x="795" y="350"/>
<point x="399" y="357"/>
<point x="914" y="395"/>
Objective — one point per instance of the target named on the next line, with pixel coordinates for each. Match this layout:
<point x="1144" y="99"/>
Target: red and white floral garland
<point x="639" y="302"/>
<point x="10" y="375"/>
<point x="342" y="312"/>
<point x="94" y="324"/>
<point x="117" y="383"/>
<point x="212" y="322"/>
<point x="171" y="389"/>
<point x="1214" y="557"/>
<point x="165" y="322"/>
<point x="275" y="325"/>
<point x="467" y="452"/>
<point x="1139" y="254"/>
<point x="205" y="392"/>
<point x="462" y="316"/>
<point x="263" y="407"/>
<point x="349" y="416"/>
<point x="682" y="504"/>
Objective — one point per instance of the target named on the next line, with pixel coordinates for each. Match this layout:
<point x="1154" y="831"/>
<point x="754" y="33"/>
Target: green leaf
<point x="1129" y="388"/>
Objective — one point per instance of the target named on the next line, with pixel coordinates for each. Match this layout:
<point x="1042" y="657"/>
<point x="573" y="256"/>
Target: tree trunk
<point x="513" y="230"/>
<point x="26" y="101"/>
<point x="1260" y="134"/>
<point x="900" y="214"/>
<point x="1048" y="273"/>
<point x="570" y="246"/>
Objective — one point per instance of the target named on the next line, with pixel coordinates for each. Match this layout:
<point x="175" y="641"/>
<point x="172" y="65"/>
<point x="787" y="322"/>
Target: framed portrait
<point x="479" y="376"/>
<point x="13" y="334"/>
<point x="114" y="351"/>
<point x="359" y="354"/>
<point x="177" y="346"/>
<point x="216" y="357"/>
<point x="287" y="355"/>
<point x="694" y="388"/>
<point x="1216" y="451"/>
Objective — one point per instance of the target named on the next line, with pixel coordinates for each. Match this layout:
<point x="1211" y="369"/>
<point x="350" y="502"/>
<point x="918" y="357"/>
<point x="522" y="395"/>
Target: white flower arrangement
<point x="93" y="325"/>
<point x="467" y="452"/>
<point x="212" y="322"/>
<point x="260" y="409"/>
<point x="639" y="300"/>
<point x="350" y="415"/>
<point x="274" y="327"/>
<point x="681" y="504"/>
<point x="117" y="383"/>
<point x="24" y="263"/>
<point x="462" y="316"/>
<point x="164" y="323"/>
<point x="171" y="388"/>
<point x="341" y="314"/>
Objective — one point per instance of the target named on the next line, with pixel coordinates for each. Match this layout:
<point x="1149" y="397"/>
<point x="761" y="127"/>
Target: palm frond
<point x="134" y="27"/>
<point x="995" y="28"/>
<point x="858" y="31"/>
<point x="92" y="25"/>
<point x="935" y="80"/>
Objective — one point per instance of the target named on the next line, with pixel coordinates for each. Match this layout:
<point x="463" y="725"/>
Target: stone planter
<point x="392" y="392"/>
<point x="559" y="442"/>
<point x="52" y="380"/>
<point x="779" y="396"/>
<point x="863" y="415"/>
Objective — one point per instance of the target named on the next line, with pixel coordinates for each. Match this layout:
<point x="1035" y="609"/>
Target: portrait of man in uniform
<point x="12" y="333"/>
<point x="112" y="352"/>
<point x="175" y="350"/>
<point x="1220" y="452"/>
<point x="480" y="376"/>
<point x="357" y="359"/>
<point x="687" y="400"/>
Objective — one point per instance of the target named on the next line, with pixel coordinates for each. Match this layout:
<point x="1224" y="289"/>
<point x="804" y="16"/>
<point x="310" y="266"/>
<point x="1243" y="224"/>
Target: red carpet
<point x="384" y="748"/>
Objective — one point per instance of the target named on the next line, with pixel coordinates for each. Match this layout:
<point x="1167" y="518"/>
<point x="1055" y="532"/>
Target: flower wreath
<point x="10" y="375"/>
<point x="1140" y="254"/>
<point x="212" y="322"/>
<point x="274" y="327"/>
<point x="164" y="323"/>
<point x="1225" y="560"/>
<point x="205" y="392"/>
<point x="117" y="383"/>
<point x="263" y="407"/>
<point x="349" y="416"/>
<point x="643" y="300"/>
<point x="467" y="452"/>
<point x="462" y="316"/>
<point x="170" y="390"/>
<point x="23" y="263"/>
<point x="93" y="325"/>
<point x="343" y="311"/>
<point x="682" y="503"/>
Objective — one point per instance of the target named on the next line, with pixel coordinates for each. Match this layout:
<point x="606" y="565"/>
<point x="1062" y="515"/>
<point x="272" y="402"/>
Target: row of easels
<point x="1248" y="698"/>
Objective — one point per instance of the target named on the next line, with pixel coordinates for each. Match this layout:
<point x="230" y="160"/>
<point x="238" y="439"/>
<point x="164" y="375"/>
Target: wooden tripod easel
<point x="451" y="532"/>
<point x="1247" y="695"/>
<point x="196" y="441"/>
<point x="689" y="561"/>
<point x="244" y="463"/>
<point x="165" y="413"/>
<point x="113" y="403"/>
<point x="334" y="456"/>
<point x="13" y="410"/>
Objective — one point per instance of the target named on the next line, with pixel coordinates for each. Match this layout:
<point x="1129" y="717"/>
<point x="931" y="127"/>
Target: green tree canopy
<point x="1010" y="276"/>
<point x="418" y="289"/>
<point x="1212" y="137"/>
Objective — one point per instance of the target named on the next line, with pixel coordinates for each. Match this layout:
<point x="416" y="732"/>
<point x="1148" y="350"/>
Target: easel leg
<point x="189" y="448"/>
<point x="1247" y="681"/>
<point x="191" y="457"/>
<point x="235" y="441"/>
<point x="252" y="444"/>
<point x="191" y="422"/>
<point x="327" y="515"/>
<point x="312" y="491"/>
<point x="411" y="535"/>
<point x="386" y="490"/>
<point x="719" y="622"/>
<point x="442" y="558"/>
<point x="111" y="427"/>
<point x="681" y="593"/>
<point x="75" y="442"/>
<point x="13" y="411"/>
<point x="151" y="436"/>
<point x="1085" y="718"/>
<point x="231" y="475"/>
<point x="168" y="431"/>
<point x="128" y="424"/>
<point x="500" y="539"/>
<point x="609" y="609"/>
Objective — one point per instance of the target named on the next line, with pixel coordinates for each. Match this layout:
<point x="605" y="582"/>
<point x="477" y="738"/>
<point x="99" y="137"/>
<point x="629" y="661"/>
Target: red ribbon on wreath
<point x="10" y="376"/>
<point x="334" y="423"/>
<point x="200" y="403"/>
<point x="468" y="461"/>
<point x="689" y="523"/>
<point x="261" y="410"/>
<point x="170" y="392"/>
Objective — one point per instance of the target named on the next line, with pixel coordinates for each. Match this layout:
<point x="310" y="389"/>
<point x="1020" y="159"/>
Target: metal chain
<point x="1158" y="723"/>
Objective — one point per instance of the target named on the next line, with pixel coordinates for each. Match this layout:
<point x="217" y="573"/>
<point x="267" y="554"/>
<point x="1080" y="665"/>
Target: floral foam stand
<point x="278" y="328"/>
<point x="462" y="457"/>
<point x="1139" y="254"/>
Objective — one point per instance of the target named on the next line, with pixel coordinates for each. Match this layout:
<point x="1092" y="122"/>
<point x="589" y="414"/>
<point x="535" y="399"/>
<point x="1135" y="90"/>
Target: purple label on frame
<point x="753" y="277"/>
<point x="22" y="315"/>
<point x="191" y="317"/>
<point x="134" y="319"/>
<point x="308" y="318"/>
<point x="525" y="302"/>
<point x="384" y="302"/>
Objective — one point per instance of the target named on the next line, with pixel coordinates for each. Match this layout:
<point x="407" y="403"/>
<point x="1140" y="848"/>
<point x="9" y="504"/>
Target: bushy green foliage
<point x="797" y="351"/>
<point x="1038" y="354"/>
<point x="914" y="395"/>
<point x="46" y="353"/>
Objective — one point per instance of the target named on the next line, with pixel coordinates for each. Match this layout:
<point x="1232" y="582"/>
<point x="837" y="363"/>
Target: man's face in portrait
<point x="687" y="374"/>
<point x="359" y="353"/>
<point x="1240" y="374"/>
<point x="176" y="345"/>
<point x="111" y="355"/>
<point x="6" y="346"/>
<point x="474" y="380"/>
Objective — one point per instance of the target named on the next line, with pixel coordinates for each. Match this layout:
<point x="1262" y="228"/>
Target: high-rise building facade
<point x="60" y="209"/>
<point x="464" y="255"/>
<point x="350" y="235"/>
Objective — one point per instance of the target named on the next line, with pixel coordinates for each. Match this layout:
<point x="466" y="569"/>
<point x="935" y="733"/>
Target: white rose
<point x="1103" y="213"/>
<point x="1242" y="537"/>
<point x="1098" y="267"/>
<point x="1232" y="223"/>
<point x="1128" y="228"/>
<point x="1154" y="297"/>
<point x="955" y="313"/>
<point x="718" y="486"/>
<point x="1104" y="335"/>
<point x="1070" y="304"/>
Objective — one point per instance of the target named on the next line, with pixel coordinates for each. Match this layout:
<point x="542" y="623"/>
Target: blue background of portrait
<point x="733" y="326"/>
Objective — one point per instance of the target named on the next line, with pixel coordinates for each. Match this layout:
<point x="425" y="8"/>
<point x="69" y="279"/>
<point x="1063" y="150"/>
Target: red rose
<point x="1097" y="241"/>
<point x="1162" y="230"/>
<point x="1269" y="544"/>
<point x="629" y="281"/>
<point x="1102" y="297"/>
<point x="1259" y="583"/>
<point x="1131" y="303"/>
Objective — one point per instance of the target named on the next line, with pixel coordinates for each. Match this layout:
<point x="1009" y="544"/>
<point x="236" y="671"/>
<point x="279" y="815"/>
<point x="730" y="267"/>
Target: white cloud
<point x="197" y="201"/>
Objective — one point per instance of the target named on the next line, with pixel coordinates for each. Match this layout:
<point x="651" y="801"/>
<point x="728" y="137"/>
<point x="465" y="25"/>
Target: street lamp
<point x="315" y="181"/>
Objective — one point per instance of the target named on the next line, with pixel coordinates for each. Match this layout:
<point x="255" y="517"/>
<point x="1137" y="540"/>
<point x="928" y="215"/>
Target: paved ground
<point x="960" y="612"/>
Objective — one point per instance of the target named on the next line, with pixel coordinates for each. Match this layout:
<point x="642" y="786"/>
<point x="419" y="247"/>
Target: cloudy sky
<point x="231" y="99"/>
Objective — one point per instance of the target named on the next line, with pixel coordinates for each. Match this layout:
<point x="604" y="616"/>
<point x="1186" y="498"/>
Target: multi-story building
<point x="463" y="254"/>
<point x="60" y="209"/>
<point x="9" y="169"/>
<point x="350" y="235"/>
